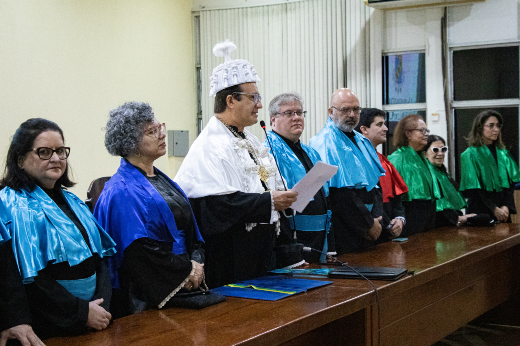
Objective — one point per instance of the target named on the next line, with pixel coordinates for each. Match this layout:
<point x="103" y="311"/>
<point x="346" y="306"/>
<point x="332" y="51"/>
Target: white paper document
<point x="311" y="184"/>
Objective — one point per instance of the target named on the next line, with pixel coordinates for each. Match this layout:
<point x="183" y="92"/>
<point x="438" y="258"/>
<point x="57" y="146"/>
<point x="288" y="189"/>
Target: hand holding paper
<point x="311" y="184"/>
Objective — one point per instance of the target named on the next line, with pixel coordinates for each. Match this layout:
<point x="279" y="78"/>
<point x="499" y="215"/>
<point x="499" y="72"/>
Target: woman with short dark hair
<point x="449" y="207"/>
<point x="410" y="137"/>
<point x="488" y="172"/>
<point x="58" y="245"/>
<point x="159" y="245"/>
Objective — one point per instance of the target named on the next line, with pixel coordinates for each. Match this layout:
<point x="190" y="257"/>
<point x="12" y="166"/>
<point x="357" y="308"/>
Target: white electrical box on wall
<point x="178" y="143"/>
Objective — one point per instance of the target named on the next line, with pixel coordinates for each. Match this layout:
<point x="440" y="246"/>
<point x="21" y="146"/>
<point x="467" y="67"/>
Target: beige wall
<point x="71" y="61"/>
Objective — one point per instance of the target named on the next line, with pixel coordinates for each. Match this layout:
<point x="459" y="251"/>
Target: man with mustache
<point x="295" y="159"/>
<point x="356" y="199"/>
<point x="232" y="181"/>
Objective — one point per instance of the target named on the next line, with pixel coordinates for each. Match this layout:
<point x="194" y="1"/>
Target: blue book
<point x="269" y="287"/>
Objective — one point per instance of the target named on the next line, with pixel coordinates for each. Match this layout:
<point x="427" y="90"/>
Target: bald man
<point x="356" y="199"/>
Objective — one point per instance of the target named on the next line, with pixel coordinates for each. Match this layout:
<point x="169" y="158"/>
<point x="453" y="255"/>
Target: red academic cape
<point x="392" y="183"/>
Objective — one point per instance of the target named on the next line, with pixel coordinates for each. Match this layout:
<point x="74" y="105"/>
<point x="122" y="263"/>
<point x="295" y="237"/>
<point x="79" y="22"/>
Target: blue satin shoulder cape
<point x="357" y="168"/>
<point x="4" y="235"/>
<point x="42" y="234"/>
<point x="292" y="169"/>
<point x="130" y="208"/>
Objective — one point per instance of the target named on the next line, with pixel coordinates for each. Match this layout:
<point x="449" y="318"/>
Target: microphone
<point x="262" y="124"/>
<point x="334" y="260"/>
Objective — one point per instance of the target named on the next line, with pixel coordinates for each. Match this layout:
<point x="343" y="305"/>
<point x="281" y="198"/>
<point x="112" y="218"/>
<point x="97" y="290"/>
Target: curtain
<point x="310" y="47"/>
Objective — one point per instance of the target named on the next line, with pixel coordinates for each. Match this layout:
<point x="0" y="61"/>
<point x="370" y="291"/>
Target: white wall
<point x="71" y="61"/>
<point x="494" y="21"/>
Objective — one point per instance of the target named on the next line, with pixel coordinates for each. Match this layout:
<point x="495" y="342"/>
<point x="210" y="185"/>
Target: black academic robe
<point x="317" y="206"/>
<point x="233" y="253"/>
<point x="351" y="218"/>
<point x="54" y="310"/>
<point x="14" y="308"/>
<point x="481" y="201"/>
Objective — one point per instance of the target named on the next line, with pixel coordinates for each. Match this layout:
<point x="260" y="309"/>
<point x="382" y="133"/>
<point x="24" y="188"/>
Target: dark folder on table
<point x="372" y="273"/>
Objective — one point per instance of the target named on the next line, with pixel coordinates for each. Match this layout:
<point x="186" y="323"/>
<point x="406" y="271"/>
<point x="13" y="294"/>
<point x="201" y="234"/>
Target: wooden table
<point x="458" y="275"/>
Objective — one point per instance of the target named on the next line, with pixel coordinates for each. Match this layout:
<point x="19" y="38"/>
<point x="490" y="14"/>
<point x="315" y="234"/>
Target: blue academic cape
<point x="42" y="234"/>
<point x="4" y="235"/>
<point x="292" y="169"/>
<point x="357" y="167"/>
<point x="130" y="208"/>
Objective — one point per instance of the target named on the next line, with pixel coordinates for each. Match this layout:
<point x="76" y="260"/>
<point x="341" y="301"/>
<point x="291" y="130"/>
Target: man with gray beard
<point x="356" y="199"/>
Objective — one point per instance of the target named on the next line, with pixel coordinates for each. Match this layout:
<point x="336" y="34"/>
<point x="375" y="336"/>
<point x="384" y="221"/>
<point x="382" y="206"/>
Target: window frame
<point x="492" y="103"/>
<point x="422" y="106"/>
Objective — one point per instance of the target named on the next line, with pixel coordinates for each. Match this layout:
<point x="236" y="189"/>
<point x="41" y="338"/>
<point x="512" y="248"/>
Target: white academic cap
<point x="230" y="72"/>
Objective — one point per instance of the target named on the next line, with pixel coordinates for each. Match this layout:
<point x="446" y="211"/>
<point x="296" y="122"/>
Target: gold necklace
<point x="262" y="171"/>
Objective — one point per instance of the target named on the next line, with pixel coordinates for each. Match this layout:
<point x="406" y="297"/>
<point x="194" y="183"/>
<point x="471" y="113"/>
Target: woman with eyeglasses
<point x="488" y="172"/>
<point x="449" y="207"/>
<point x="148" y="215"/>
<point x="410" y="137"/>
<point x="59" y="247"/>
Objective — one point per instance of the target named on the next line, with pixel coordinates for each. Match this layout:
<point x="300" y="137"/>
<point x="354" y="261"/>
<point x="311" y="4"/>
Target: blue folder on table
<point x="269" y="287"/>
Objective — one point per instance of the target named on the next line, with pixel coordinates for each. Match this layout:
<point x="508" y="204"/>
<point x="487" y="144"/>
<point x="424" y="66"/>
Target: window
<point x="404" y="89"/>
<point x="485" y="78"/>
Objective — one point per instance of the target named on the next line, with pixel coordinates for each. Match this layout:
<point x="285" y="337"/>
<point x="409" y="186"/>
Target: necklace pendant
<point x="263" y="174"/>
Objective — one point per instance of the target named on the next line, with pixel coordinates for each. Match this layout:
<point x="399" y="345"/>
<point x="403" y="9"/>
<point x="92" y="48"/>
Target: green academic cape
<point x="417" y="173"/>
<point x="451" y="197"/>
<point x="479" y="170"/>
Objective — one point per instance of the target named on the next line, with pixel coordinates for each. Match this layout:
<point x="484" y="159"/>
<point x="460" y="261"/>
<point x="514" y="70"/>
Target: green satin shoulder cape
<point x="417" y="173"/>
<point x="451" y="197"/>
<point x="479" y="171"/>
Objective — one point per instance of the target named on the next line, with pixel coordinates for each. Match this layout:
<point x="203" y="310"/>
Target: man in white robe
<point x="233" y="183"/>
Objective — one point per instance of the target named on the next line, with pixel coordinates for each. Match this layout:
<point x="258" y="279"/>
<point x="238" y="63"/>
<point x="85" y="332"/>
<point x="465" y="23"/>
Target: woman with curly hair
<point x="488" y="172"/>
<point x="148" y="215"/>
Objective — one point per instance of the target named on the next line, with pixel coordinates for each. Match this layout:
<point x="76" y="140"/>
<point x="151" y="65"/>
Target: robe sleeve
<point x="447" y="218"/>
<point x="348" y="207"/>
<point x="168" y="274"/>
<point x="482" y="197"/>
<point x="509" y="199"/>
<point x="218" y="213"/>
<point x="14" y="308"/>
<point x="103" y="285"/>
<point x="397" y="207"/>
<point x="55" y="310"/>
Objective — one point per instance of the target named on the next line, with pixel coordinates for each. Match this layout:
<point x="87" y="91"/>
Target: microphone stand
<point x="262" y="124"/>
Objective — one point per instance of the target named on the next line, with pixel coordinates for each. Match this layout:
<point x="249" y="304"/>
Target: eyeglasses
<point x="423" y="131"/>
<point x="256" y="96"/>
<point x="45" y="153"/>
<point x="156" y="130"/>
<point x="492" y="126"/>
<point x="289" y="114"/>
<point x="347" y="110"/>
<point x="436" y="150"/>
